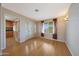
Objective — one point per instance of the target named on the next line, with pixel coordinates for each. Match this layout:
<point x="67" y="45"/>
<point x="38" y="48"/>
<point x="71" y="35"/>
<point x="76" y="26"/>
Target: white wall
<point x="0" y="25"/>
<point x="39" y="28"/>
<point x="73" y="29"/>
<point x="61" y="27"/>
<point x="4" y="13"/>
<point x="0" y="31"/>
<point x="24" y="33"/>
<point x="3" y="37"/>
<point x="27" y="29"/>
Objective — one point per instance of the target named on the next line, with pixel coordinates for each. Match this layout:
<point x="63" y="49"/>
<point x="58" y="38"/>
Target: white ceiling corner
<point x="46" y="10"/>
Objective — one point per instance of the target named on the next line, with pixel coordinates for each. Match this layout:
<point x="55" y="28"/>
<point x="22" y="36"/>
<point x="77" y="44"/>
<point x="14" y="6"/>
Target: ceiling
<point x="44" y="10"/>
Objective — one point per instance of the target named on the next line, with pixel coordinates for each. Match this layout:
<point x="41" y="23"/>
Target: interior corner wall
<point x="0" y="26"/>
<point x="61" y="30"/>
<point x="3" y="26"/>
<point x="25" y="32"/>
<point x="39" y="28"/>
<point x="27" y="29"/>
<point x="73" y="29"/>
<point x="3" y="36"/>
<point x="0" y="30"/>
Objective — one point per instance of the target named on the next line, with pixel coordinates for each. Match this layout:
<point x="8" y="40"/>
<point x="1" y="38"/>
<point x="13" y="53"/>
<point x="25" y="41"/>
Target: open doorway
<point x="11" y="33"/>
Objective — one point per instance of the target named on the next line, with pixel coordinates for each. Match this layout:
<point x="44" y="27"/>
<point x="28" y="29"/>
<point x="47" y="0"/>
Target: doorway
<point x="11" y="33"/>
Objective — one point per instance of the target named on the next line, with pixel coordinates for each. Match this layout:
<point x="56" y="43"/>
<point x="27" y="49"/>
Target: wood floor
<point x="37" y="47"/>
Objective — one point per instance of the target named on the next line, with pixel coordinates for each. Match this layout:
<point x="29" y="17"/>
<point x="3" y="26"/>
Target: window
<point x="48" y="26"/>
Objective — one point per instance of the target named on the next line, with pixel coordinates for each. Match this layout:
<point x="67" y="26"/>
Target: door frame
<point x="15" y="21"/>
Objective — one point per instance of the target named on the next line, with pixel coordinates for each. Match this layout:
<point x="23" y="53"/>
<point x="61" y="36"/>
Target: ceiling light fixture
<point x="66" y="18"/>
<point x="36" y="10"/>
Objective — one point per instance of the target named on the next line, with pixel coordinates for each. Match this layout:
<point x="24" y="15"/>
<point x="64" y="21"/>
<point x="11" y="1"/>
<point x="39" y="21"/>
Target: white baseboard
<point x="3" y="47"/>
<point x="69" y="48"/>
<point x="52" y="39"/>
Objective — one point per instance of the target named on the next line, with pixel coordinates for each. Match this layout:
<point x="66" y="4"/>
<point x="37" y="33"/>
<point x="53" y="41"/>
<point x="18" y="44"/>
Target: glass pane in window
<point x="46" y="27"/>
<point x="50" y="27"/>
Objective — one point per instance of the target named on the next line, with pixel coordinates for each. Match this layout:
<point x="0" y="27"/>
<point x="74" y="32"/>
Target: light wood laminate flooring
<point x="36" y="47"/>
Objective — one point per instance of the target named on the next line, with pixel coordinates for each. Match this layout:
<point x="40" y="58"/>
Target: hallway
<point x="38" y="47"/>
